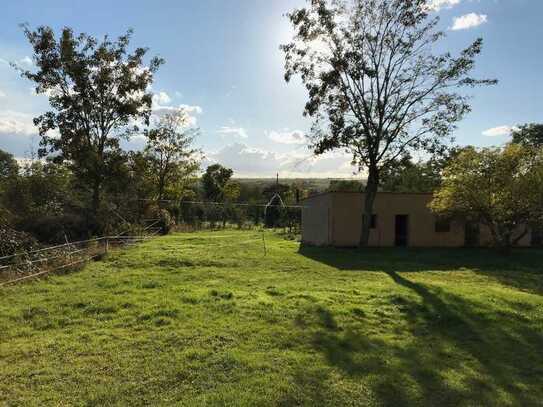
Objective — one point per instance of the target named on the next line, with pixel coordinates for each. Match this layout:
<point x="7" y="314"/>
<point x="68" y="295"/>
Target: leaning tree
<point x="97" y="90"/>
<point x="376" y="88"/>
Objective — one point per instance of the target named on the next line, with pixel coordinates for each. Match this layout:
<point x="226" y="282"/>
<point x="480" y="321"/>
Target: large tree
<point x="376" y="89"/>
<point x="97" y="91"/>
<point x="502" y="188"/>
<point x="169" y="151"/>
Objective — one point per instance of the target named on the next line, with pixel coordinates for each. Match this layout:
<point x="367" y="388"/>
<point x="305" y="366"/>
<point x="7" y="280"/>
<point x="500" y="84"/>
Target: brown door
<point x="401" y="231"/>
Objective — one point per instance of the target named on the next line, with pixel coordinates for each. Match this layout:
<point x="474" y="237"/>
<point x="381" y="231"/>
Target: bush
<point x="12" y="241"/>
<point x="55" y="228"/>
<point x="166" y="221"/>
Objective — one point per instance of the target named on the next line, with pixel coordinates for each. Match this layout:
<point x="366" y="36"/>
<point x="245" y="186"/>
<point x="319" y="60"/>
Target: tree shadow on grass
<point x="521" y="269"/>
<point x="456" y="352"/>
<point x="487" y="357"/>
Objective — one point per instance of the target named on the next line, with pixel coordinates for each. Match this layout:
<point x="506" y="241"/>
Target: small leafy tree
<point x="214" y="181"/>
<point x="169" y="151"/>
<point x="97" y="90"/>
<point x="500" y="188"/>
<point x="376" y="88"/>
<point x="8" y="166"/>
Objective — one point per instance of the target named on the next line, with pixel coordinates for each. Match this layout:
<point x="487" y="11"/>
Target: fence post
<point x="106" y="246"/>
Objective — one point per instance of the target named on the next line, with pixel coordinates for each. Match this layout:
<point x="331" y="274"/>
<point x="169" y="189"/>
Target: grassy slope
<point x="205" y="319"/>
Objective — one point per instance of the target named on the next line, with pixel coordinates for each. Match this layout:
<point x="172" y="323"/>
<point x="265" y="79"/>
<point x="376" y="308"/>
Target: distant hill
<point x="315" y="184"/>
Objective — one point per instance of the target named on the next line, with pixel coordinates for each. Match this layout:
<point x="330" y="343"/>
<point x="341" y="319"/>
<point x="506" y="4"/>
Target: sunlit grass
<point x="207" y="319"/>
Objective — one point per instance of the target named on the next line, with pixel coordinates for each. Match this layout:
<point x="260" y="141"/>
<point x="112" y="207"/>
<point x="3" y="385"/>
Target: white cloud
<point x="236" y="132"/>
<point x="254" y="162"/>
<point x="2" y="94"/>
<point x="436" y="5"/>
<point x="469" y="21"/>
<point x="16" y="123"/>
<point x="26" y="61"/>
<point x="161" y="98"/>
<point x="288" y="137"/>
<point x="499" y="131"/>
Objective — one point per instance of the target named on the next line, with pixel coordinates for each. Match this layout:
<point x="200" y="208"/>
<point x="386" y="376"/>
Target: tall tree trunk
<point x="95" y="225"/>
<point x="161" y="184"/>
<point x="96" y="197"/>
<point x="369" y="199"/>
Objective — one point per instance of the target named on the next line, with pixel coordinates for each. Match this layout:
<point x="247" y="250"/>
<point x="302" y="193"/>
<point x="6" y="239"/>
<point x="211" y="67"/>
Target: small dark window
<point x="373" y="222"/>
<point x="537" y="237"/>
<point x="443" y="225"/>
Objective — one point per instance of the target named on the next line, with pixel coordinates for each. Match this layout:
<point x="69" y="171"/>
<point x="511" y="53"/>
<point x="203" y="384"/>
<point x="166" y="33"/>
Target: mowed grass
<point x="207" y="319"/>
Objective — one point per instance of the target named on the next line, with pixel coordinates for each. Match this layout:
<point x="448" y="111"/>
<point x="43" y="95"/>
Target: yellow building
<point x="400" y="219"/>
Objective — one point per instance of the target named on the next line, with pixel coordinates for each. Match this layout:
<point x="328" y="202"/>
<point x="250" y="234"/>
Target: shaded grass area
<point x="206" y="319"/>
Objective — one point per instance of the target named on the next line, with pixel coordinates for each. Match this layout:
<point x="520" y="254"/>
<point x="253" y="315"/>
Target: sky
<point x="223" y="63"/>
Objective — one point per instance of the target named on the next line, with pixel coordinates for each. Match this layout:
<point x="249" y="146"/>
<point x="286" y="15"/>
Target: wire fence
<point x="23" y="266"/>
<point x="187" y="216"/>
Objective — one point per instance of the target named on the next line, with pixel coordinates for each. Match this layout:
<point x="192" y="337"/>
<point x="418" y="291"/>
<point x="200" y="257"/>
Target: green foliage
<point x="42" y="201"/>
<point x="96" y="89"/>
<point x="214" y="180"/>
<point x="171" y="159"/>
<point x="12" y="241"/>
<point x="8" y="167"/>
<point x="166" y="221"/>
<point x="404" y="175"/>
<point x="231" y="191"/>
<point x="345" y="186"/>
<point x="501" y="188"/>
<point x="529" y="135"/>
<point x="204" y="319"/>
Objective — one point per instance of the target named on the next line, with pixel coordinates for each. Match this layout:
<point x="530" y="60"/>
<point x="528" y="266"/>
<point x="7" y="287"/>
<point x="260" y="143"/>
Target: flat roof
<point x="362" y="193"/>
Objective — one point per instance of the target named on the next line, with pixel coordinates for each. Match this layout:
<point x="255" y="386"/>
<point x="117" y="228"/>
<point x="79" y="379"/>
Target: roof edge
<point x="362" y="193"/>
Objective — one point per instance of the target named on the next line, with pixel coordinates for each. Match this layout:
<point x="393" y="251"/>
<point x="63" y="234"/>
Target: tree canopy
<point x="8" y="166"/>
<point x="502" y="188"/>
<point x="98" y="91"/>
<point x="214" y="182"/>
<point x="170" y="152"/>
<point x="529" y="135"/>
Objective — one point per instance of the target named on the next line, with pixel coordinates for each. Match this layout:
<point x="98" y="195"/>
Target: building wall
<point x="336" y="219"/>
<point x="315" y="220"/>
<point x="346" y="219"/>
<point x="485" y="239"/>
<point x="346" y="222"/>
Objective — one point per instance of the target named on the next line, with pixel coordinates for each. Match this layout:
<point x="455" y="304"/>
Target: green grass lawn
<point x="206" y="319"/>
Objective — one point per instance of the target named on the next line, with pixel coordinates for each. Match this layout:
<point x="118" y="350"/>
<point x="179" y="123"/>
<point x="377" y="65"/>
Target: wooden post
<point x="264" y="243"/>
<point x="106" y="246"/>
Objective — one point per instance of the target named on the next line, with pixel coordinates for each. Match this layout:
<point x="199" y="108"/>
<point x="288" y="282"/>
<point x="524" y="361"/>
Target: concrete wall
<point x="315" y="220"/>
<point x="336" y="218"/>
<point x="346" y="221"/>
<point x="485" y="237"/>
